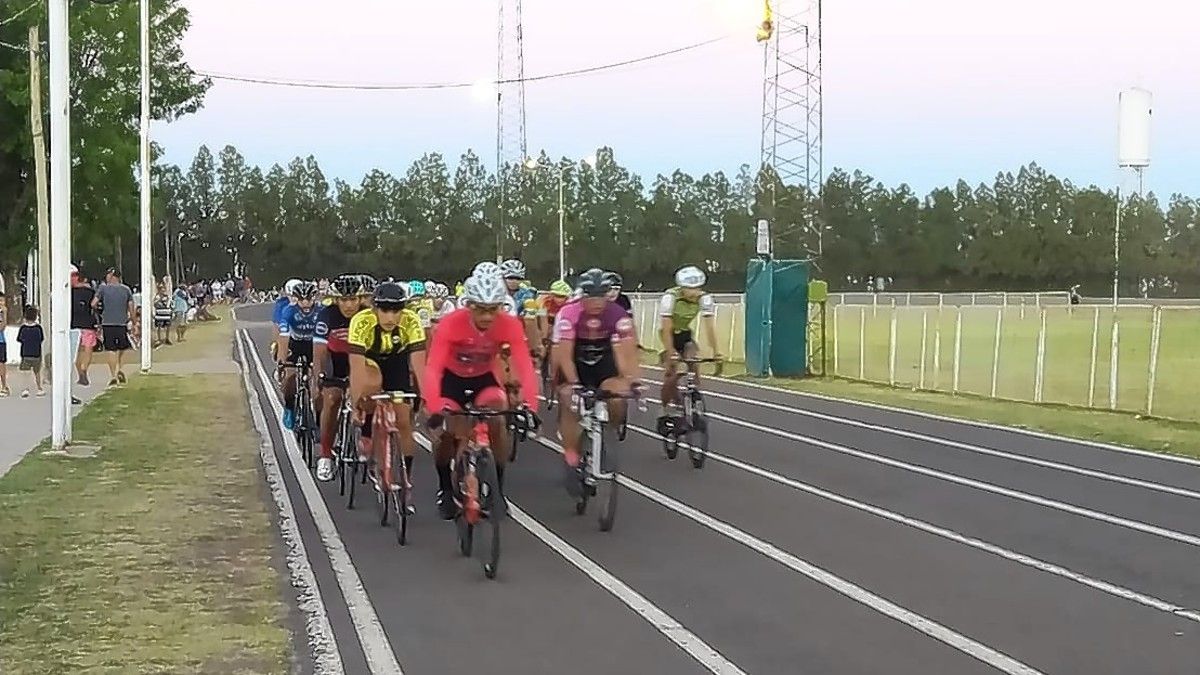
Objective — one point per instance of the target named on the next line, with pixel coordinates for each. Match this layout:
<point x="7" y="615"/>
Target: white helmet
<point x="690" y="277"/>
<point x="485" y="289"/>
<point x="436" y="290"/>
<point x="486" y="268"/>
<point x="290" y="286"/>
<point x="513" y="269"/>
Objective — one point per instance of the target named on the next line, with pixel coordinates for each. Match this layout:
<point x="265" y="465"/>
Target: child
<point x="31" y="337"/>
<point x="162" y="316"/>
<point x="3" y="347"/>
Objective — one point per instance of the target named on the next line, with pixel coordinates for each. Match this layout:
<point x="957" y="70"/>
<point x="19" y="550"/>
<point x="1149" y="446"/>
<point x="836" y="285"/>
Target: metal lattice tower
<point x="791" y="113"/>
<point x="510" y="100"/>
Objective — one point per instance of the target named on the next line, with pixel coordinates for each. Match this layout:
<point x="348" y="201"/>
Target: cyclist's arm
<point x="358" y="376"/>
<point x="708" y="317"/>
<point x="320" y="347"/>
<point x="415" y="336"/>
<point x="431" y="375"/>
<point x="524" y="363"/>
<point x="666" y="324"/>
<point x="625" y="349"/>
<point x="564" y="349"/>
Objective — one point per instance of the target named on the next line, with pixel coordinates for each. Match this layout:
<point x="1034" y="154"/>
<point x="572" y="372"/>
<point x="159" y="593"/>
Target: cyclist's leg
<point x="331" y="401"/>
<point x="670" y="393"/>
<point x="396" y="376"/>
<point x="372" y="384"/>
<point x="494" y="398"/>
<point x="690" y="351"/>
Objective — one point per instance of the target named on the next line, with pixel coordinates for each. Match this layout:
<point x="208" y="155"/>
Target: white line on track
<point x="955" y="420"/>
<point x="664" y="623"/>
<point x="378" y="650"/>
<point x="1091" y="473"/>
<point x="929" y="528"/>
<point x="326" y="658"/>
<point x="933" y="629"/>
<point x="970" y="482"/>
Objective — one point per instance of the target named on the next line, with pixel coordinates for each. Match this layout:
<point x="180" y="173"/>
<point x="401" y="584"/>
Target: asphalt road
<point x="821" y="537"/>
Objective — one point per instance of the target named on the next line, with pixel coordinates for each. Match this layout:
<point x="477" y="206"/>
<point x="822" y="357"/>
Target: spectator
<point x="115" y="301"/>
<point x="162" y="309"/>
<point x="3" y="347"/>
<point x="83" y="325"/>
<point x="218" y="291"/>
<point x="31" y="337"/>
<point x="180" y="312"/>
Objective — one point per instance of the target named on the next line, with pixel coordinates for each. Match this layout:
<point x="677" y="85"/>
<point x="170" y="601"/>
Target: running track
<point x="821" y="537"/>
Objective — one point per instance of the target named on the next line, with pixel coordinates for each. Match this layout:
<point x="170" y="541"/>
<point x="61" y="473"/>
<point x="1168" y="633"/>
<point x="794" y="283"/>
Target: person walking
<point x="180" y="312"/>
<point x="83" y="325"/>
<point x="115" y="302"/>
<point x="3" y="347"/>
<point x="31" y="336"/>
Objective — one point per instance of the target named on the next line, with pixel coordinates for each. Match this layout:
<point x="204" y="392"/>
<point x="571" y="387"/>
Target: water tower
<point x="1133" y="132"/>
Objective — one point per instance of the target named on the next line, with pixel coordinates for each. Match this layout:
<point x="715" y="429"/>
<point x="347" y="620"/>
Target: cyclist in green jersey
<point x="678" y="310"/>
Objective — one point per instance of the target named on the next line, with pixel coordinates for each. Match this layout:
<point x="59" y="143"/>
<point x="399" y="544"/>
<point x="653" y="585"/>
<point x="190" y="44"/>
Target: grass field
<point x="858" y="339"/>
<point x="155" y="555"/>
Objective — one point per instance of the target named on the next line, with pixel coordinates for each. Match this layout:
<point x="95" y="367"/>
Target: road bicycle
<point x="393" y="483"/>
<point x="692" y="422"/>
<point x="304" y="425"/>
<point x="600" y="463"/>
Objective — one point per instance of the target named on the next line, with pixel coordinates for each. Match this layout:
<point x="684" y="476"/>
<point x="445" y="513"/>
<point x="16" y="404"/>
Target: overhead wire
<point x="315" y="84"/>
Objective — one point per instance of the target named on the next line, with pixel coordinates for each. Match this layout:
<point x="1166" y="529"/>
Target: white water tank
<point x="1133" y="128"/>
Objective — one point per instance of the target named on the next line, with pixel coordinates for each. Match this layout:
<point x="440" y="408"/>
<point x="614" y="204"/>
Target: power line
<point x="16" y="16"/>
<point x="314" y="84"/>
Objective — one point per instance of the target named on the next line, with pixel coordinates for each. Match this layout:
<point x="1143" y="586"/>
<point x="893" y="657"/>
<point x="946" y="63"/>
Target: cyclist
<point x="281" y="303"/>
<point x="297" y="325"/>
<point x="466" y="368"/>
<point x="387" y="346"/>
<point x="678" y="309"/>
<point x="616" y="295"/>
<point x="524" y="297"/>
<point x="442" y="303"/>
<point x="594" y="346"/>
<point x="551" y="304"/>
<point x="419" y="303"/>
<point x="330" y="344"/>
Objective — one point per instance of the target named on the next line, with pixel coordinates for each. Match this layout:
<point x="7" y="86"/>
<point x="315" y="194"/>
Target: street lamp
<point x="533" y="164"/>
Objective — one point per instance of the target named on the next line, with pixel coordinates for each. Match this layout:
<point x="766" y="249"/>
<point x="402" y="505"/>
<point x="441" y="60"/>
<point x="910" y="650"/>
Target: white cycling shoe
<point x="325" y="469"/>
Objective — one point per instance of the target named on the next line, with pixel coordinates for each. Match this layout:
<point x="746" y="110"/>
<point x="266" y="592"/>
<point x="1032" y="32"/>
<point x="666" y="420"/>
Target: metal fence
<point x="1137" y="358"/>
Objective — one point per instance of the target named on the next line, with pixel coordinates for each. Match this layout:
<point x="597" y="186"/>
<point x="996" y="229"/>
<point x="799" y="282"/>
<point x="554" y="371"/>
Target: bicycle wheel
<point x="697" y="434"/>
<point x="355" y="465"/>
<point x="383" y="483"/>
<point x="466" y="531"/>
<point x="608" y="488"/>
<point x="340" y="442"/>
<point x="494" y="509"/>
<point x="403" y="498"/>
<point x="304" y="426"/>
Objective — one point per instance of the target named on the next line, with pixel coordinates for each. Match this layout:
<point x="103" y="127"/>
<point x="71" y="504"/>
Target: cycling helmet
<point x="290" y="286"/>
<point x="437" y="290"/>
<point x="560" y="288"/>
<point x="366" y="284"/>
<point x="513" y="269"/>
<point x="614" y="279"/>
<point x="594" y="283"/>
<point x="305" y="290"/>
<point x="485" y="290"/>
<point x="346" y="285"/>
<point x="690" y="277"/>
<point x="416" y="288"/>
<point x="390" y="295"/>
<point x="486" y="268"/>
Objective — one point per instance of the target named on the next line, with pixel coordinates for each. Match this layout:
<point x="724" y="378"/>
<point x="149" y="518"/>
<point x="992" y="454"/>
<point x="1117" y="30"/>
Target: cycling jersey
<point x="551" y="304"/>
<point x="281" y="303"/>
<point x="461" y="350"/>
<point x="624" y="303"/>
<point x="593" y="334"/>
<point x="448" y="306"/>
<point x="683" y="312"/>
<point x="423" y="307"/>
<point x="525" y="304"/>
<point x="366" y="337"/>
<point x="297" y="324"/>
<point x="332" y="330"/>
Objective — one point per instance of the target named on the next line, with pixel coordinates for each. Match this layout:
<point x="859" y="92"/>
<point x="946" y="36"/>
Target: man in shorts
<point x="83" y="325"/>
<point x="115" y="302"/>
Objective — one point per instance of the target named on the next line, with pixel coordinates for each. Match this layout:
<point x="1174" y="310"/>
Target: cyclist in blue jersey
<point x="279" y="344"/>
<point x="297" y="326"/>
<point x="524" y="302"/>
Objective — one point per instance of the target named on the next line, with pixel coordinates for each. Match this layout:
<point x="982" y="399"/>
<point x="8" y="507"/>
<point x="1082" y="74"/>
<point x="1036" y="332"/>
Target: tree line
<point x="1024" y="230"/>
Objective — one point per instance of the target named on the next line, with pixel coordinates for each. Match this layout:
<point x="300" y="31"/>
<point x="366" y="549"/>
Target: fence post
<point x="733" y="331"/>
<point x="972" y="299"/>
<point x="957" y="344"/>
<point x="892" y="349"/>
<point x="874" y="305"/>
<point x="908" y="299"/>
<point x="1039" y="379"/>
<point x="1112" y="364"/>
<point x="1155" y="331"/>
<point x="862" y="342"/>
<point x="836" y="314"/>
<point x="1092" y="370"/>
<point x="937" y="352"/>
<point x="996" y="349"/>
<point x="924" y="333"/>
<point x="1022" y="309"/>
<point x="1004" y="299"/>
<point x="645" y="324"/>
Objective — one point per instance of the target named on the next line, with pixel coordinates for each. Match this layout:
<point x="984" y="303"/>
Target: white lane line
<point x="378" y="650"/>
<point x="970" y="482"/>
<point x="1019" y="558"/>
<point x="1069" y="468"/>
<point x="664" y="623"/>
<point x="957" y="420"/>
<point x="933" y="629"/>
<point x="326" y="658"/>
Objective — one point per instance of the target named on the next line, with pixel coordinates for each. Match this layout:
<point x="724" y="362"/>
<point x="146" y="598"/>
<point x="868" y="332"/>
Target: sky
<point x="917" y="91"/>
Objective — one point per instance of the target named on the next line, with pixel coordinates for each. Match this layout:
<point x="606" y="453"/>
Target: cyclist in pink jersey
<point x="466" y="366"/>
<point x="594" y="346"/>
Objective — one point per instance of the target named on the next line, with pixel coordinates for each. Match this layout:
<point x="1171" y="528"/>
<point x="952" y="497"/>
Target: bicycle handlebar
<point x="393" y="396"/>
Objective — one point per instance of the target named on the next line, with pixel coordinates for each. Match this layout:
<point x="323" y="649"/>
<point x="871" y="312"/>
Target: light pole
<point x="147" y="263"/>
<point x="60" y="225"/>
<point x="531" y="164"/>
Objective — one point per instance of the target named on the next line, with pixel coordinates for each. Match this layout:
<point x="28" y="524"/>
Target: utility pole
<point x="42" y="292"/>
<point x="60" y="230"/>
<point x="148" y="285"/>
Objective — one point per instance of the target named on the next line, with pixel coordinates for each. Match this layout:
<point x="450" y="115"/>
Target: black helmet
<point x="305" y="290"/>
<point x="390" y="295"/>
<point x="346" y="285"/>
<point x="614" y="279"/>
<point x="594" y="283"/>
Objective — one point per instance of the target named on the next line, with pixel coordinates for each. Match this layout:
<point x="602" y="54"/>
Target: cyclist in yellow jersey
<point x="387" y="352"/>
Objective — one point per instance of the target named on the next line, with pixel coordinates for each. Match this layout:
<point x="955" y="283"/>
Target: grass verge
<point x="154" y="556"/>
